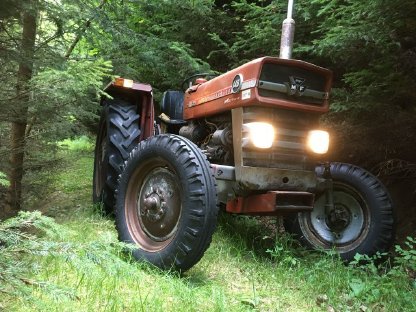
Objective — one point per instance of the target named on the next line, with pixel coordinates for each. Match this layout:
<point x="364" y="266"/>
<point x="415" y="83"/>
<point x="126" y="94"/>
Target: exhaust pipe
<point x="288" y="32"/>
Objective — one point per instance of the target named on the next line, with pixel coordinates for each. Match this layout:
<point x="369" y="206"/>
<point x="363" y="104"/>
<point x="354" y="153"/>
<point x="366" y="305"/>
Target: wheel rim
<point x="153" y="205"/>
<point x="347" y="224"/>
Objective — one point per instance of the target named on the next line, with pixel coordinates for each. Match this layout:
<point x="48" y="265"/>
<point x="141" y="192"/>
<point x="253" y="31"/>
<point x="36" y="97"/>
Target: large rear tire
<point x="361" y="221"/>
<point x="118" y="134"/>
<point x="166" y="202"/>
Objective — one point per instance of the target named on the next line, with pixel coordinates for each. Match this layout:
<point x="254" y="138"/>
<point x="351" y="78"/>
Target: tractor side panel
<point x="216" y="95"/>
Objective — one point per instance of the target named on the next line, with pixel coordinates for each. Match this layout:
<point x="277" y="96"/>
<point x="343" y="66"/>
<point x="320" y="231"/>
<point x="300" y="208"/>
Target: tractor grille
<point x="300" y="85"/>
<point x="289" y="149"/>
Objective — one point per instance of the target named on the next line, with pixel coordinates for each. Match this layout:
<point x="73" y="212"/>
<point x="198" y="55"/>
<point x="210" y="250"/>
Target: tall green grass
<point x="77" y="264"/>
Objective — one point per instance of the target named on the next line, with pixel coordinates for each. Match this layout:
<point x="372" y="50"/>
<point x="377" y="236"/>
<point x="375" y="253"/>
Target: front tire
<point x="166" y="202"/>
<point x="361" y="221"/>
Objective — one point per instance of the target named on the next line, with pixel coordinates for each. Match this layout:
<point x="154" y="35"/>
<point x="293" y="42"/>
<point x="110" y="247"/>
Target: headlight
<point x="318" y="141"/>
<point x="261" y="134"/>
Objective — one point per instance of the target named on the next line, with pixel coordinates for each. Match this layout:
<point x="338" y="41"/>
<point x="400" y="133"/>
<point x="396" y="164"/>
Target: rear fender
<point x="138" y="94"/>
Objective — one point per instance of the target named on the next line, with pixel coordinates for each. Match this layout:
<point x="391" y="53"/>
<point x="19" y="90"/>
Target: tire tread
<point x="202" y="207"/>
<point x="381" y="232"/>
<point x="123" y="134"/>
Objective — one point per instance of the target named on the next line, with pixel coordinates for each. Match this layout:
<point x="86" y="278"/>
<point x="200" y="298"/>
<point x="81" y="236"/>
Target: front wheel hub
<point x="159" y="204"/>
<point x="339" y="218"/>
<point x="344" y="224"/>
<point x="152" y="208"/>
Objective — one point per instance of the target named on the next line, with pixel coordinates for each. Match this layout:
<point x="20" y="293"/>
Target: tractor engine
<point x="213" y="136"/>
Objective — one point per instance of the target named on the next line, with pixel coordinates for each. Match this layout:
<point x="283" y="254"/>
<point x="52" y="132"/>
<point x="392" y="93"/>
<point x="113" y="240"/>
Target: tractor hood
<point x="268" y="82"/>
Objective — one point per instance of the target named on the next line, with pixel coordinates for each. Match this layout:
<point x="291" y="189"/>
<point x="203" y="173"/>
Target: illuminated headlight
<point x="318" y="141"/>
<point x="261" y="134"/>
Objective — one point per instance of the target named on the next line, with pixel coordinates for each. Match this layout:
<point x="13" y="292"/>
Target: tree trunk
<point x="19" y="116"/>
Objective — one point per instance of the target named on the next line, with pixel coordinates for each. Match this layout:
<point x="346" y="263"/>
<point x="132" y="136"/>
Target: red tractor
<point x="248" y="140"/>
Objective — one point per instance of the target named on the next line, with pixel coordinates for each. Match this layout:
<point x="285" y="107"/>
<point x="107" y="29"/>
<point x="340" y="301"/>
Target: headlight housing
<point x="261" y="134"/>
<point x="318" y="141"/>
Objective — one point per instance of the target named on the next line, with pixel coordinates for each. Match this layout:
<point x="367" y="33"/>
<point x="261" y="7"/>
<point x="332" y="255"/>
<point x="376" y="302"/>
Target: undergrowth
<point x="74" y="262"/>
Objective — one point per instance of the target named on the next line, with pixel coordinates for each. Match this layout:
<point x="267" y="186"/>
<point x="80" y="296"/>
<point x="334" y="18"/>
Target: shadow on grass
<point x="247" y="235"/>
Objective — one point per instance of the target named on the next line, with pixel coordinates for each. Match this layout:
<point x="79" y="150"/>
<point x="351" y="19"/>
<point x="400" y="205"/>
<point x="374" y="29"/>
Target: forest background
<point x="56" y="56"/>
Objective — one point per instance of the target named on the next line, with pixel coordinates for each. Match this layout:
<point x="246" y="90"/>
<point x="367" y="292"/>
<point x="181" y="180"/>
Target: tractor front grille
<point x="289" y="149"/>
<point x="294" y="84"/>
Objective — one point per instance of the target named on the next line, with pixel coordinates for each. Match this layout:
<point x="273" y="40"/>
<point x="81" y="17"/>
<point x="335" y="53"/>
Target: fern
<point x="30" y="236"/>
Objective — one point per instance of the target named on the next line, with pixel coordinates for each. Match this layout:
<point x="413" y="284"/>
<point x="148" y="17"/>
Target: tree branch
<point x="8" y="34"/>
<point x="82" y="31"/>
<point x="30" y="126"/>
<point x="59" y="32"/>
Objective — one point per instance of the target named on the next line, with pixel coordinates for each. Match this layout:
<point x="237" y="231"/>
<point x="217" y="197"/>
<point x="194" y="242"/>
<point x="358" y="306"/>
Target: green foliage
<point x="370" y="45"/>
<point x="80" y="144"/>
<point x="188" y="23"/>
<point x="368" y="42"/>
<point x="71" y="93"/>
<point x="260" y="34"/>
<point x="17" y="239"/>
<point x="3" y="179"/>
<point x="376" y="279"/>
<point x="407" y="257"/>
<point x="143" y="41"/>
<point x="32" y="237"/>
<point x="62" y="98"/>
<point x="74" y="79"/>
<point x="284" y="252"/>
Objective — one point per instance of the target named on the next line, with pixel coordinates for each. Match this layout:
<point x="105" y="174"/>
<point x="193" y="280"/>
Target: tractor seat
<point x="172" y="106"/>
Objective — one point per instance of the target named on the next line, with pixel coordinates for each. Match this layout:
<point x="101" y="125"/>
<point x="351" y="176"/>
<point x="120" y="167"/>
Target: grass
<point x="77" y="264"/>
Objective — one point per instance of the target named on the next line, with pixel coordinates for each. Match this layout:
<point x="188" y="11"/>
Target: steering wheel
<point x="188" y="82"/>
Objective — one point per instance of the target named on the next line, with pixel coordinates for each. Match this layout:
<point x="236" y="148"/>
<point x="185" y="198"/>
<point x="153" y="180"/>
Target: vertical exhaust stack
<point x="288" y="32"/>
